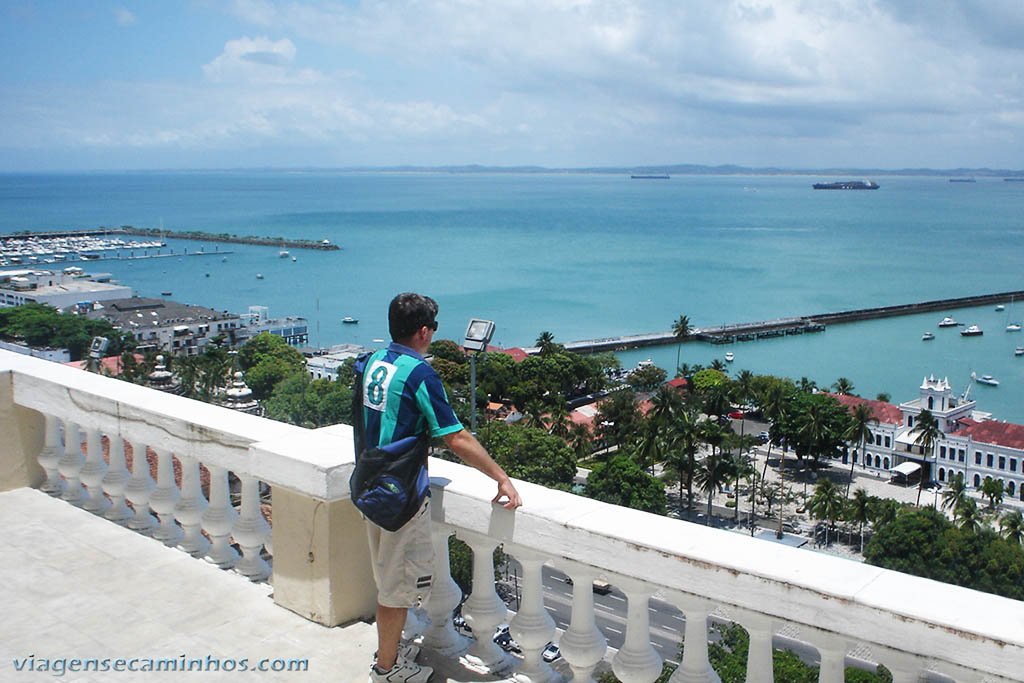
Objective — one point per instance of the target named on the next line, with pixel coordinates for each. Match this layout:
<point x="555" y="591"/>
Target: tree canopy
<point x="621" y="481"/>
<point x="43" y="326"/>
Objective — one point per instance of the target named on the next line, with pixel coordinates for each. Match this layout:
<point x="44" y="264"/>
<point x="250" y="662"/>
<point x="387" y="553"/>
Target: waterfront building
<point x="159" y="324"/>
<point x="293" y="329"/>
<point x="972" y="443"/>
<point x="59" y="289"/>
<point x="328" y="365"/>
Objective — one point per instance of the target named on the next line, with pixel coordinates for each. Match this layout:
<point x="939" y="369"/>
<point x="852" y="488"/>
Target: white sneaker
<point x="407" y="652"/>
<point x="402" y="672"/>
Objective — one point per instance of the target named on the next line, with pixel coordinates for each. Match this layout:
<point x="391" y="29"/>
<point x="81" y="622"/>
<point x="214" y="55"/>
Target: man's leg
<point x="390" y="621"/>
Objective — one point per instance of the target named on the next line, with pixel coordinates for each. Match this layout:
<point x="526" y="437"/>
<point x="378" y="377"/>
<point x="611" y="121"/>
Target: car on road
<point x="764" y="437"/>
<point x="736" y="414"/>
<point x="551" y="653"/>
<point x="504" y="640"/>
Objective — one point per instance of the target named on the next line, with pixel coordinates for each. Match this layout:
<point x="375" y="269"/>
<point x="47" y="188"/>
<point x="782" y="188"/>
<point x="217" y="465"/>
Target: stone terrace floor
<point x="73" y="585"/>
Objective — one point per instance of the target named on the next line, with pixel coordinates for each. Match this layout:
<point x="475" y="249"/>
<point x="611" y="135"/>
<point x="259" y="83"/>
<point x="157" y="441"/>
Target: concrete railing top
<point x="855" y="601"/>
<point x="313" y="462"/>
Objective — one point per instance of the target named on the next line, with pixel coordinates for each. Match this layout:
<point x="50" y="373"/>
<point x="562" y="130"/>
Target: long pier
<point x="739" y="332"/>
<point x="322" y="245"/>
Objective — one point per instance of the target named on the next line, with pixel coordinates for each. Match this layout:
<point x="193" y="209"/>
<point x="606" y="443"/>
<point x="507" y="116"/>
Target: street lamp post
<point x="478" y="336"/>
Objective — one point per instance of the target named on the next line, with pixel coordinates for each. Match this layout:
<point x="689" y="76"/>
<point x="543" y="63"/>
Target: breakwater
<point x="739" y="332"/>
<point x="280" y="242"/>
<point x="196" y="235"/>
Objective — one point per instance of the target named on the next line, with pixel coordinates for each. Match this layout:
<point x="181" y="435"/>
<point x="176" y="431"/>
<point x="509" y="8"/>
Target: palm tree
<point x="826" y="504"/>
<point x="968" y="516"/>
<point x="712" y="474"/>
<point x="928" y="434"/>
<point x="545" y="342"/>
<point x="843" y="386"/>
<point x="859" y="511"/>
<point x="883" y="511"/>
<point x="993" y="490"/>
<point x="558" y="419"/>
<point x="954" y="496"/>
<point x="681" y="330"/>
<point x="859" y="430"/>
<point x="1011" y="527"/>
<point x="581" y="441"/>
<point x="740" y="467"/>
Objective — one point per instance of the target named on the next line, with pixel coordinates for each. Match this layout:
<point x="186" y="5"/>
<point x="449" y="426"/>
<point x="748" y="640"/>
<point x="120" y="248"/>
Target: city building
<point x="60" y="289"/>
<point x="971" y="444"/>
<point x="328" y="365"/>
<point x="293" y="329"/>
<point x="159" y="324"/>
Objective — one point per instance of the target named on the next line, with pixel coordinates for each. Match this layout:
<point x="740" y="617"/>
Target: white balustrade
<point x="49" y="458"/>
<point x="115" y="481"/>
<point x="582" y="645"/>
<point x="190" y="508"/>
<point x="484" y="610"/>
<point x="92" y="473"/>
<point x="637" y="661"/>
<point x="251" y="531"/>
<point x="138" y="490"/>
<point x="70" y="465"/>
<point x="532" y="627"/>
<point x="163" y="500"/>
<point x="760" y="656"/>
<point x="695" y="667"/>
<point x="445" y="595"/>
<point x="219" y="519"/>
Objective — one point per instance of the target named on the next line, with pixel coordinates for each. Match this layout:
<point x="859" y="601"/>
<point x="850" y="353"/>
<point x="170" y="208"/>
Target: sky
<point x="199" y="84"/>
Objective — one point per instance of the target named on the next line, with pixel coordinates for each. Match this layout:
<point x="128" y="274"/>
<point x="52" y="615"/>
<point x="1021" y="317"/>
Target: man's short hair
<point x="409" y="312"/>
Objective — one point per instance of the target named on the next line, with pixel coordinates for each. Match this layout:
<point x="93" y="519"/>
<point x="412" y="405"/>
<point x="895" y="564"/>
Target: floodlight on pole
<point x="478" y="336"/>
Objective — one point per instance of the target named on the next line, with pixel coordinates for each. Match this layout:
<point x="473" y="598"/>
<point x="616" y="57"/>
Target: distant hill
<point x="698" y="169"/>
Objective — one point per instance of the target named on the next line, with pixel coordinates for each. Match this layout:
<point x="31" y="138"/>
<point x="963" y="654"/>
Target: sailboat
<point x="1011" y="327"/>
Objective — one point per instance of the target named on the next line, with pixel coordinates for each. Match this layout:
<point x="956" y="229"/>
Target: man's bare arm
<point x="465" y="445"/>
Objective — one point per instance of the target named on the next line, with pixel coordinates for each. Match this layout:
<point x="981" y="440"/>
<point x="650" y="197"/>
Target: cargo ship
<point x="847" y="185"/>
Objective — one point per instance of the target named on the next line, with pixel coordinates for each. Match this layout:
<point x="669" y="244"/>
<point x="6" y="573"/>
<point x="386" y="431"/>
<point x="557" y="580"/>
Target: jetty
<point x="160" y="233"/>
<point x="741" y="332"/>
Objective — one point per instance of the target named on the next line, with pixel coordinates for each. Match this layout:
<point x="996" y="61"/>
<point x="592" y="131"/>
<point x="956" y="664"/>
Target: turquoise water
<point x="587" y="256"/>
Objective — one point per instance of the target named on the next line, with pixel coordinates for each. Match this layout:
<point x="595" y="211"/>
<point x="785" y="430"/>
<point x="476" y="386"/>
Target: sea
<point x="587" y="256"/>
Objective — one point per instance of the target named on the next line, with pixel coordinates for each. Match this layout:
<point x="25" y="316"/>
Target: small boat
<point x="1019" y="351"/>
<point x="349" y="320"/>
<point x="259" y="276"/>
<point x="1000" y="307"/>
<point x="729" y="357"/>
<point x="972" y="331"/>
<point x="283" y="254"/>
<point x="294" y="259"/>
<point x="948" y="322"/>
<point x="989" y="380"/>
<point x="927" y="336"/>
<point x="166" y="293"/>
<point x="1013" y="327"/>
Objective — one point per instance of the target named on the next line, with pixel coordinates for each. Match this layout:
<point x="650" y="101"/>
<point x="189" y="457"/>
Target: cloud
<point x="124" y="17"/>
<point x="258" y="60"/>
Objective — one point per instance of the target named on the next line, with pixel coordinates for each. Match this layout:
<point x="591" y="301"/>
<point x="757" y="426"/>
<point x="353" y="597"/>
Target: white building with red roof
<point x="971" y="444"/>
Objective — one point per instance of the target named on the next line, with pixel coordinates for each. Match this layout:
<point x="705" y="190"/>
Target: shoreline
<point x="195" y="235"/>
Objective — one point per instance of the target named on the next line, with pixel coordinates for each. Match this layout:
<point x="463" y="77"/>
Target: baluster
<point x="163" y="500"/>
<point x="70" y="465"/>
<point x="190" y="508"/>
<point x="219" y="519"/>
<point x="583" y="645"/>
<point x="905" y="667"/>
<point x="115" y="481"/>
<point x="695" y="667"/>
<point x="93" y="471"/>
<point x="532" y="627"/>
<point x="484" y="610"/>
<point x="637" y="661"/>
<point x="251" y="531"/>
<point x="50" y="457"/>
<point x="833" y="665"/>
<point x="138" y="490"/>
<point x="760" y="663"/>
<point x="444" y="597"/>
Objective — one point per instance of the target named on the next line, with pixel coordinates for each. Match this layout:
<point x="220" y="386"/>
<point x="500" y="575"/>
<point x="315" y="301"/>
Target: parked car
<point x="551" y="653"/>
<point x="764" y="437"/>
<point x="504" y="640"/>
<point x="736" y="414"/>
<point x="459" y="622"/>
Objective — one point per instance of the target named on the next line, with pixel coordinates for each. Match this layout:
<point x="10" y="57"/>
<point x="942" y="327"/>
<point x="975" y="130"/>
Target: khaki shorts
<point x="403" y="560"/>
